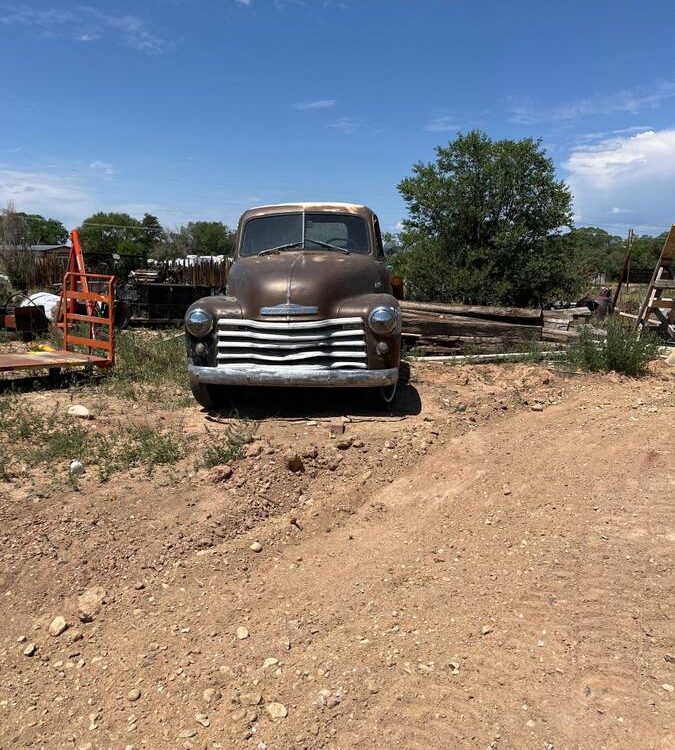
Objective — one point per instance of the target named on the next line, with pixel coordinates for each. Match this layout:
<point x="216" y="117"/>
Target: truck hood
<point x="319" y="281"/>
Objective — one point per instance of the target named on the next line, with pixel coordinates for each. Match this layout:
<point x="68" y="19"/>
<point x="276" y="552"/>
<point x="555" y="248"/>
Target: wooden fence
<point x="47" y="269"/>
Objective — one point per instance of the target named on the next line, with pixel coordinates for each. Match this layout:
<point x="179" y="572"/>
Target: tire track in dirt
<point x="513" y="589"/>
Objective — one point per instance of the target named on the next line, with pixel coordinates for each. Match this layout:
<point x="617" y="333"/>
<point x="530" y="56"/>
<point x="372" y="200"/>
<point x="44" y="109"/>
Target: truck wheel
<point x="382" y="398"/>
<point x="404" y="373"/>
<point x="388" y="394"/>
<point x="212" y="397"/>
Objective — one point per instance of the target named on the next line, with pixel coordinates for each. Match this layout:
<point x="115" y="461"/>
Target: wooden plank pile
<point x="561" y="325"/>
<point x="454" y="329"/>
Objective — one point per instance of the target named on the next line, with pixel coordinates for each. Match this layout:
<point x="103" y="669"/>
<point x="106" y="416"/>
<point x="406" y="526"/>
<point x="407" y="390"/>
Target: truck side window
<point x="378" y="237"/>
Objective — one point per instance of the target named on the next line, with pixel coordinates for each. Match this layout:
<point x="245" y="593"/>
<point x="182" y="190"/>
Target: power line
<point x="218" y="184"/>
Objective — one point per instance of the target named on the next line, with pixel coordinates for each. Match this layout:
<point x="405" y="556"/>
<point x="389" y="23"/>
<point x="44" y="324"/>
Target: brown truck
<point x="308" y="303"/>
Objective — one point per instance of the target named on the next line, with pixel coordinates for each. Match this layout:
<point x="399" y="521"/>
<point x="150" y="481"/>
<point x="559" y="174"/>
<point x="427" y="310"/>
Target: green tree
<point x="646" y="251"/>
<point x="597" y="251"/>
<point x="153" y="230"/>
<point x="210" y="238"/>
<point x="15" y="255"/>
<point x="391" y="243"/>
<point x="485" y="225"/>
<point x="41" y="231"/>
<point x="196" y="238"/>
<point x="120" y="233"/>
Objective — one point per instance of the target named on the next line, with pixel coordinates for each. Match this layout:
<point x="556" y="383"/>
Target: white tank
<point x="49" y="301"/>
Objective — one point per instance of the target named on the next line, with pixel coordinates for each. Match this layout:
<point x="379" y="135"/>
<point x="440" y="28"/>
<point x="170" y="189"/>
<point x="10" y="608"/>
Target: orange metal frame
<point x="100" y="316"/>
<point x="76" y="265"/>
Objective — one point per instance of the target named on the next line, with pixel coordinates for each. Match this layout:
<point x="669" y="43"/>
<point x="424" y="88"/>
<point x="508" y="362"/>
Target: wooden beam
<point x="523" y="315"/>
<point x="454" y="325"/>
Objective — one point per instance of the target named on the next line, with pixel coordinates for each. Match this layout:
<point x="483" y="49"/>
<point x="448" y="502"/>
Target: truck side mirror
<point x="397" y="286"/>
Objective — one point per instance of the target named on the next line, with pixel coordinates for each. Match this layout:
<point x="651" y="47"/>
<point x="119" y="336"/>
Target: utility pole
<point x="625" y="270"/>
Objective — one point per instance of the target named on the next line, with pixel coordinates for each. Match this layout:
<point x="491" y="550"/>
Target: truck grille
<point x="322" y="344"/>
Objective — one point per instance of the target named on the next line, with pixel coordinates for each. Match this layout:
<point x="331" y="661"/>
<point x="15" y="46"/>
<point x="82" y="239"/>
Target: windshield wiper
<point x="279" y="248"/>
<point x="329" y="246"/>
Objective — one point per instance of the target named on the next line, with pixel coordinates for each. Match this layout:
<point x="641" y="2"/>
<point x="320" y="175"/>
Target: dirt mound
<point x="487" y="568"/>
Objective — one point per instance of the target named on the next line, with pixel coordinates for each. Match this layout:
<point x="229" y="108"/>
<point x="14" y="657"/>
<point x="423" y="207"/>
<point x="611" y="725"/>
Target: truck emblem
<point x="289" y="308"/>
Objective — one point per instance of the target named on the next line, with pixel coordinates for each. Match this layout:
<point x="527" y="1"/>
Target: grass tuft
<point x="36" y="437"/>
<point x="149" y="368"/>
<point x="223" y="448"/>
<point x="617" y="349"/>
<point x="148" y="446"/>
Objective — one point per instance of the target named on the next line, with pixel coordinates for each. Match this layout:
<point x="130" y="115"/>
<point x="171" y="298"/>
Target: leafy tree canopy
<point x="196" y="238"/>
<point x="119" y="233"/>
<point x="598" y="252"/>
<point x="41" y="231"/>
<point x="485" y="225"/>
<point x="33" y="229"/>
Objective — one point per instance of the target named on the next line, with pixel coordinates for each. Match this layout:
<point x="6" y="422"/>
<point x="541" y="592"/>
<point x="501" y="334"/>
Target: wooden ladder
<point x="659" y="300"/>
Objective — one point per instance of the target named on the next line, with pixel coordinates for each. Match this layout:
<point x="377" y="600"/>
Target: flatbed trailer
<point x="86" y="322"/>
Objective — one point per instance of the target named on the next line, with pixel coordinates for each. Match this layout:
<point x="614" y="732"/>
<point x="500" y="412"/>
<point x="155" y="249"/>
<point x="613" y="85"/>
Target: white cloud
<point x="346" y="125"/>
<point x="442" y="125"/>
<point x="102" y="168"/>
<point x="39" y="192"/>
<point x="631" y="176"/>
<point x="317" y="104"/>
<point x="631" y="101"/>
<point x="84" y="24"/>
<point x="604" y="134"/>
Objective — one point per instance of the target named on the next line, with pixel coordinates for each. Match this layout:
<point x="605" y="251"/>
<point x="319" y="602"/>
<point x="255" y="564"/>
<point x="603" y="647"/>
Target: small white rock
<point x="276" y="710"/>
<point x="76" y="468"/>
<point x="256" y="547"/>
<point x="57" y="626"/>
<point x="270" y="662"/>
<point x="79" y="411"/>
<point x="209" y="695"/>
<point x="242" y="633"/>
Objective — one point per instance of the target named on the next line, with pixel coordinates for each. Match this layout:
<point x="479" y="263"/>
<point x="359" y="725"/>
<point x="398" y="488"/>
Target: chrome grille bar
<point x="324" y="344"/>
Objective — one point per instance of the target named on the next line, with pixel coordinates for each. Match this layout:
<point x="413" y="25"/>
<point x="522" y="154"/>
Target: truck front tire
<point x="211" y="397"/>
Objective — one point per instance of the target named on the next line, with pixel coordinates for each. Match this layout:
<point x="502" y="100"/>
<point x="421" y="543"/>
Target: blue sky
<point x="196" y="109"/>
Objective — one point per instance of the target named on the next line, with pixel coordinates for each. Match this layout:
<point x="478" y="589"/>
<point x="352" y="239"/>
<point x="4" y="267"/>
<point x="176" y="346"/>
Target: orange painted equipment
<point x="76" y="266"/>
<point x="100" y="315"/>
<point x="86" y="319"/>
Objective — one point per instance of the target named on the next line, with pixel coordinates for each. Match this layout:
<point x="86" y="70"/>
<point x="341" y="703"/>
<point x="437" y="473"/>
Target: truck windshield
<point x="321" y="230"/>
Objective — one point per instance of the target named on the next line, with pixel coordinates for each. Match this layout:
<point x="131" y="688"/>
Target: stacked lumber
<point x="561" y="325"/>
<point x="452" y="329"/>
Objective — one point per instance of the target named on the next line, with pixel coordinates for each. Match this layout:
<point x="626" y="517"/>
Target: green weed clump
<point x="223" y="448"/>
<point x="33" y="438"/>
<point x="143" y="446"/>
<point x="149" y="368"/>
<point x="38" y="438"/>
<point x="616" y="349"/>
<point x="30" y="438"/>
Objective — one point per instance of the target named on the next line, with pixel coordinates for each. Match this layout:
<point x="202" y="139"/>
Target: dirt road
<point x="490" y="568"/>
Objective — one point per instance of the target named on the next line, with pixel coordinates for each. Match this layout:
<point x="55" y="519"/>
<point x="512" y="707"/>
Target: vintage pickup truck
<point x="308" y="303"/>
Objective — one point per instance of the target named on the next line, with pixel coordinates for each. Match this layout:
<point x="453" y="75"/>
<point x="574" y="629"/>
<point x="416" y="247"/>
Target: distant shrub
<point x="616" y="349"/>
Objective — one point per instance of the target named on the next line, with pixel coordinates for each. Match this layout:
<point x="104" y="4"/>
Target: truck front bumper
<point x="291" y="376"/>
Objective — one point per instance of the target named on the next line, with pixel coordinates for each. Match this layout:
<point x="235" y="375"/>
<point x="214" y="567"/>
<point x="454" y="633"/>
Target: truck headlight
<point x="198" y="323"/>
<point x="383" y="320"/>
